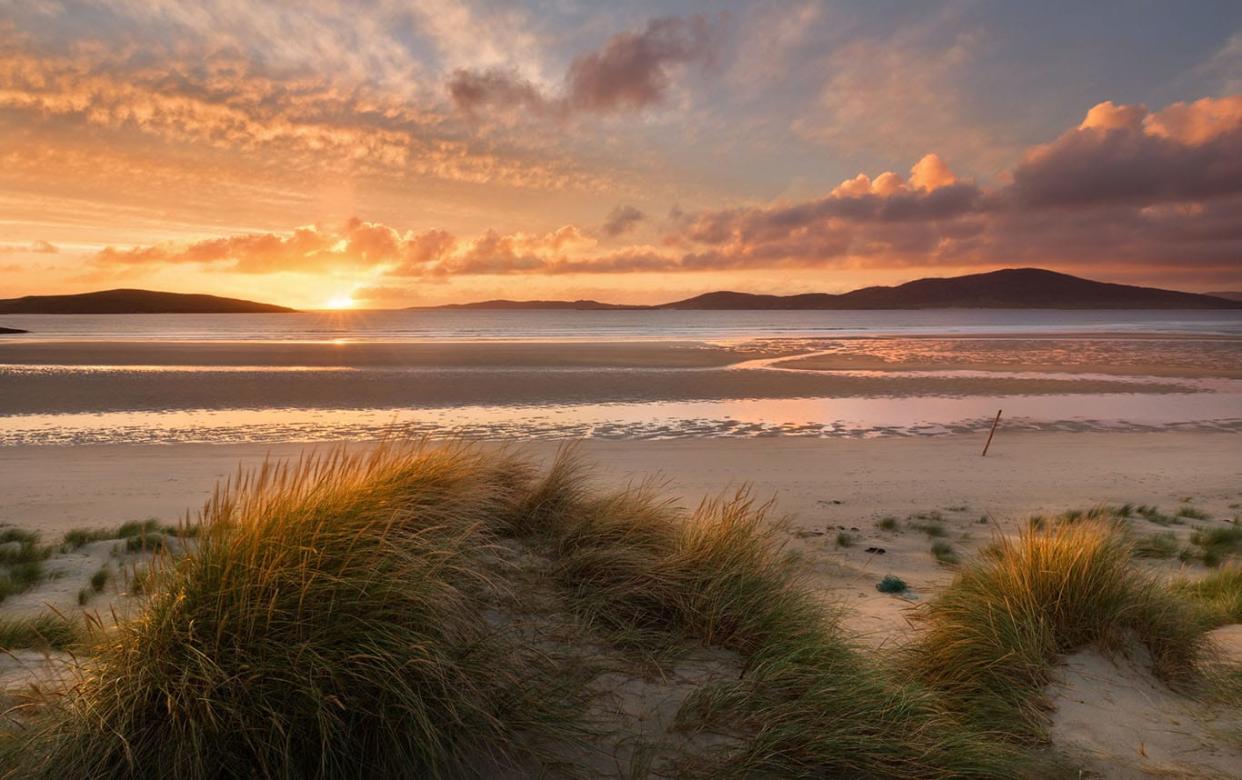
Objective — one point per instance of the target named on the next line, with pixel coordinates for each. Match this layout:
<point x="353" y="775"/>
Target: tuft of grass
<point x="845" y="539"/>
<point x="137" y="528"/>
<point x="21" y="561"/>
<point x="989" y="641"/>
<point x="1218" y="543"/>
<point x="101" y="578"/>
<point x="887" y="523"/>
<point x="77" y="538"/>
<point x="891" y="583"/>
<point x="1218" y="595"/>
<point x="84" y="597"/>
<point x="930" y="523"/>
<point x="1161" y="545"/>
<point x="44" y="632"/>
<point x="1188" y="512"/>
<point x="146" y="542"/>
<point x="1153" y="514"/>
<point x="944" y="553"/>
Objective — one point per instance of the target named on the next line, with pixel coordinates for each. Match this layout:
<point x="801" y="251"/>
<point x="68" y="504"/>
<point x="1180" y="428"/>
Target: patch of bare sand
<point x="1122" y="723"/>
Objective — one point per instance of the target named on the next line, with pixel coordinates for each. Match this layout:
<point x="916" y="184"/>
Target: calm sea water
<point x="165" y="411"/>
<point x="456" y="325"/>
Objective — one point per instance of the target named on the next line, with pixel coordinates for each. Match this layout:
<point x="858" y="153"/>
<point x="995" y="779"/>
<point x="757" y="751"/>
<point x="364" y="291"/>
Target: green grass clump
<point x="929" y="524"/>
<point x="1192" y="513"/>
<point x="138" y="528"/>
<point x="329" y="624"/>
<point x="944" y="553"/>
<point x="989" y="641"/>
<point x="21" y="561"/>
<point x="146" y="542"/>
<point x="1218" y="595"/>
<point x="845" y="539"/>
<point x="44" y="632"/>
<point x="1218" y="543"/>
<point x="1153" y="514"/>
<point x="891" y="583"/>
<point x="1161" y="545"/>
<point x="101" y="578"/>
<point x="77" y="538"/>
<point x="888" y="523"/>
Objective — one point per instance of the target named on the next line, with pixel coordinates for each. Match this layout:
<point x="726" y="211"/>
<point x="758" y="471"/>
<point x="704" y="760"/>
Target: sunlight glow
<point x="344" y="301"/>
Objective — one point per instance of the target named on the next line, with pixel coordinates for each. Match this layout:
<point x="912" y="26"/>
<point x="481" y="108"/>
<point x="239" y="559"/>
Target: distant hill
<point x="1013" y="288"/>
<point x="133" y="302"/>
<point x="13" y="330"/>
<point x="527" y="305"/>
<point x="1229" y="295"/>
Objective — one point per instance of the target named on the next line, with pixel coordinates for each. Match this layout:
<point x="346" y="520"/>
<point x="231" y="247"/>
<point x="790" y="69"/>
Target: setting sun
<point x="339" y="302"/>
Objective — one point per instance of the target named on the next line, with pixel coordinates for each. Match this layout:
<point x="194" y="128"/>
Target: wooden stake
<point x="995" y="423"/>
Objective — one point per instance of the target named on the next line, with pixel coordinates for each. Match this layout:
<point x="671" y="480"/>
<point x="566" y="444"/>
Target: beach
<point x="868" y="449"/>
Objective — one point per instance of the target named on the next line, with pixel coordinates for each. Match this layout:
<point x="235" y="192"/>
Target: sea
<point x="103" y="402"/>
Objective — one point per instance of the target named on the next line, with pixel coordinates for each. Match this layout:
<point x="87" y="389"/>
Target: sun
<point x="344" y="301"/>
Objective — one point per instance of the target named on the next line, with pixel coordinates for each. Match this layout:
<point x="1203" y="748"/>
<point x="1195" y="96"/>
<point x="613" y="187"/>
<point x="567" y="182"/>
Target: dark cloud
<point x="621" y="220"/>
<point x="630" y="72"/>
<point x="473" y="91"/>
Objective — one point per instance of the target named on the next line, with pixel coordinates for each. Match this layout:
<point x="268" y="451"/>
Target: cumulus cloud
<point x="631" y="71"/>
<point x="1186" y="152"/>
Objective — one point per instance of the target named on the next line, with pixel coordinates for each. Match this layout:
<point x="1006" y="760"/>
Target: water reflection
<point x="822" y="417"/>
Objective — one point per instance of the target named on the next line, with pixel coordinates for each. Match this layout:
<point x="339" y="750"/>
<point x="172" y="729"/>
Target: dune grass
<point x="135" y="529"/>
<point x="1161" y="545"/>
<point x="807" y="704"/>
<point x="345" y="617"/>
<point x="989" y="641"/>
<point x="944" y="553"/>
<point x="44" y="632"/>
<point x="1218" y="543"/>
<point x="21" y="561"/>
<point x="1218" y="595"/>
<point x="329" y="624"/>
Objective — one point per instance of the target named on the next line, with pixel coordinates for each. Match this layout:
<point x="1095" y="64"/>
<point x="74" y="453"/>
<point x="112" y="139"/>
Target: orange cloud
<point x="34" y="248"/>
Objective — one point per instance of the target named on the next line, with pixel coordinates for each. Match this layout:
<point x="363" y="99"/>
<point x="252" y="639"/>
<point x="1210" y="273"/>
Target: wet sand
<point x="67" y="377"/>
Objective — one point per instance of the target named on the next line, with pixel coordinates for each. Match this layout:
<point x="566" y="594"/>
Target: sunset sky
<point x="412" y="152"/>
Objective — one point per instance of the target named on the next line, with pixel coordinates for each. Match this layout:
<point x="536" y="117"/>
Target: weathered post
<point x="995" y="423"/>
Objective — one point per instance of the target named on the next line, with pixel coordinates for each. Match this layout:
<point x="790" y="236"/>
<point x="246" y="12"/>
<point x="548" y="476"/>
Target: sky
<point x="386" y="153"/>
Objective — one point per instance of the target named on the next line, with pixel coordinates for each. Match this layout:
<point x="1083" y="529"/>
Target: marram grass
<point x="338" y="618"/>
<point x="807" y="704"/>
<point x="989" y="641"/>
<point x="327" y="625"/>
